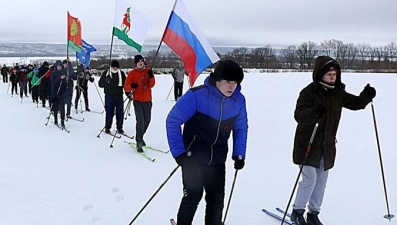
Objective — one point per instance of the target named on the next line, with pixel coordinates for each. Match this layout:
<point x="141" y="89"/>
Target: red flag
<point x="74" y="33"/>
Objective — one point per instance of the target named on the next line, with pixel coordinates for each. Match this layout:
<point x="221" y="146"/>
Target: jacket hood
<point x="321" y="66"/>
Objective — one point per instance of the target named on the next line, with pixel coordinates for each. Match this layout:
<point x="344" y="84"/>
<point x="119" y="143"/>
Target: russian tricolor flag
<point x="185" y="38"/>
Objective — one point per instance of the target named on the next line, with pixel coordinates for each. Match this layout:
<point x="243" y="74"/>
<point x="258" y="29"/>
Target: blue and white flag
<point x="84" y="55"/>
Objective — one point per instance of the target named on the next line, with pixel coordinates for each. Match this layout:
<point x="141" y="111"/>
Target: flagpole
<point x="111" y="49"/>
<point x="67" y="37"/>
<point x="162" y="37"/>
<point x="67" y="49"/>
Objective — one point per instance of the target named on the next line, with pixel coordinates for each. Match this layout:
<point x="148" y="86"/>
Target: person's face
<point x="140" y="64"/>
<point x="59" y="67"/>
<point x="226" y="87"/>
<point x="330" y="77"/>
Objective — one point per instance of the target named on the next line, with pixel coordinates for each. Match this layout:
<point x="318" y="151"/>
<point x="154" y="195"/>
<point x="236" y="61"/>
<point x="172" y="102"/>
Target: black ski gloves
<point x="319" y="111"/>
<point x="369" y="91"/>
<point x="181" y="159"/>
<point x="150" y="73"/>
<point x="134" y="85"/>
<point x="238" y="162"/>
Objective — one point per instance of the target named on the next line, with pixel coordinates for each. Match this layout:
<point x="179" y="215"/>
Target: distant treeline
<point x="361" y="57"/>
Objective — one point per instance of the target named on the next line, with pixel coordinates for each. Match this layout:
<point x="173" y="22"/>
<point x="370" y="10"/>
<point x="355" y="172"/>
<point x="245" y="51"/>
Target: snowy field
<point x="49" y="177"/>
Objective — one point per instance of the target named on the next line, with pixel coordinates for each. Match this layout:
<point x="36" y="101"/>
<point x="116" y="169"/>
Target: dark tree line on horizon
<point x="349" y="56"/>
<point x="297" y="57"/>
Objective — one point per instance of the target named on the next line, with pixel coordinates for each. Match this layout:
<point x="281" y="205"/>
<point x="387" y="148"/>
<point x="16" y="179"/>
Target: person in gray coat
<point x="178" y="74"/>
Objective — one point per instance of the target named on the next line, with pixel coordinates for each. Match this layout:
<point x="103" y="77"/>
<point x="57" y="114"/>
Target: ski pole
<point x="388" y="216"/>
<point x="155" y="193"/>
<point x="99" y="95"/>
<point x="300" y="171"/>
<point x="48" y="119"/>
<point x="170" y="91"/>
<point x="8" y="86"/>
<point x="127" y="108"/>
<point x="230" y="197"/>
<point x="81" y="101"/>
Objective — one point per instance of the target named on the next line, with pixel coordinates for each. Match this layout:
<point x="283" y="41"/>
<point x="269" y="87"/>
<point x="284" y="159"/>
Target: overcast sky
<point x="223" y="22"/>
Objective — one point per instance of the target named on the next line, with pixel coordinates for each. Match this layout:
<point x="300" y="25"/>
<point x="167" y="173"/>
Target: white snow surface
<point x="49" y="177"/>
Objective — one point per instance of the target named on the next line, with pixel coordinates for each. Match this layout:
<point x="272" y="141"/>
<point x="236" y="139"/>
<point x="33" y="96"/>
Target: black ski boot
<point x="312" y="218"/>
<point x="62" y="123"/>
<point x="297" y="217"/>
<point x="120" y="130"/>
<point x="107" y="131"/>
<point x="139" y="148"/>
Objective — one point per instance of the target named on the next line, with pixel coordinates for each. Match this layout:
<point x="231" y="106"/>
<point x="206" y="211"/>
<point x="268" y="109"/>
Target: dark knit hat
<point x="138" y="58"/>
<point x="227" y="70"/>
<point x="58" y="63"/>
<point x="65" y="61"/>
<point x="45" y="63"/>
<point x="115" y="63"/>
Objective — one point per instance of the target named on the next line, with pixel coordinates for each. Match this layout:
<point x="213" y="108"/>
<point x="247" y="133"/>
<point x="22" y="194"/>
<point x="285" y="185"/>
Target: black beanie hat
<point x="115" y="63"/>
<point x="65" y="61"/>
<point x="138" y="58"/>
<point x="227" y="70"/>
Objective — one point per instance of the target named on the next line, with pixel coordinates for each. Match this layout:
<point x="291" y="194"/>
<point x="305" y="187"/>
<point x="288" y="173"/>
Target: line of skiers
<point x="54" y="84"/>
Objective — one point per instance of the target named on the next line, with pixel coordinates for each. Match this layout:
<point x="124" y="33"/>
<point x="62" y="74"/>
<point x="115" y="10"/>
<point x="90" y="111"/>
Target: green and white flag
<point x="130" y="25"/>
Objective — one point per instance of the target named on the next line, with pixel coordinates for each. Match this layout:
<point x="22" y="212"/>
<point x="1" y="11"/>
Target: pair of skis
<point x="72" y="118"/>
<point x="119" y="136"/>
<point x="172" y="221"/>
<point x="289" y="222"/>
<point x="62" y="128"/>
<point x="143" y="154"/>
<point x="286" y="221"/>
<point x="91" y="111"/>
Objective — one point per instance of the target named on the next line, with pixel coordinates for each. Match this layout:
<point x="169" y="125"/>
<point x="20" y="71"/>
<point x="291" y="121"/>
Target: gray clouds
<point x="224" y="22"/>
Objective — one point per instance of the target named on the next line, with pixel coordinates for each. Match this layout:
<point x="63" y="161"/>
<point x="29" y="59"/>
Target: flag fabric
<point x="74" y="33"/>
<point x="84" y="54"/>
<point x="185" y="38"/>
<point x="130" y="25"/>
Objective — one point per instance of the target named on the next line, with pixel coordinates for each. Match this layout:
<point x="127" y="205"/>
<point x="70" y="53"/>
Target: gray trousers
<point x="311" y="188"/>
<point x="143" y="112"/>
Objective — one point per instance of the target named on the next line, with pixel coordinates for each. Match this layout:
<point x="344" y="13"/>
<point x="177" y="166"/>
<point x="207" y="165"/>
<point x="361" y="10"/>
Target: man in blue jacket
<point x="59" y="90"/>
<point x="209" y="113"/>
